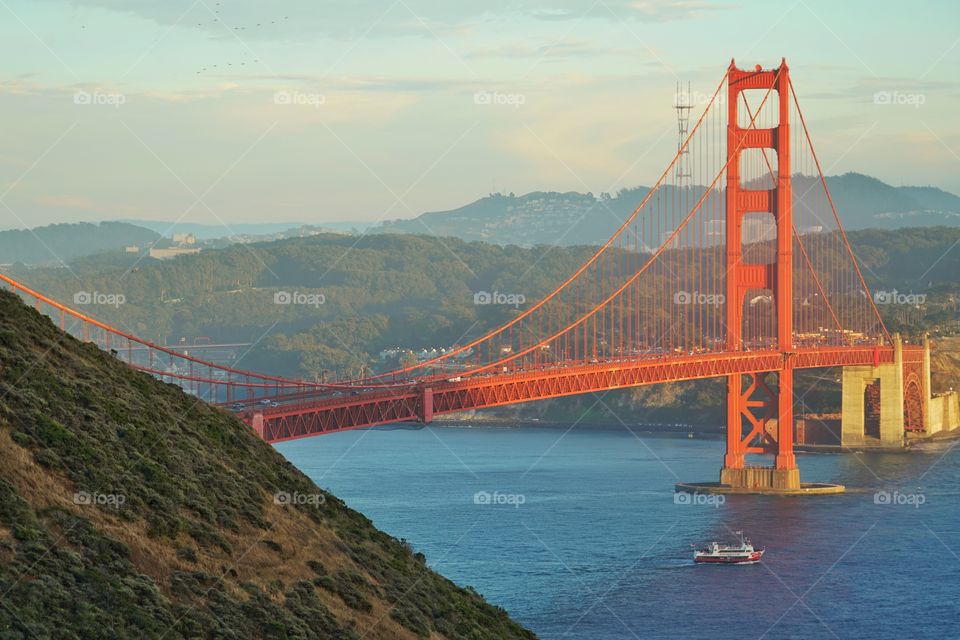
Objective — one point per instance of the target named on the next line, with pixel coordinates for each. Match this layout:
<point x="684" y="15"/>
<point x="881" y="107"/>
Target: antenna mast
<point x="683" y="103"/>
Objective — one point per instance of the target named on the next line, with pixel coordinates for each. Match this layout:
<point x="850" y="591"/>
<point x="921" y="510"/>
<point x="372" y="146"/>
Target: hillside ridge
<point x="129" y="509"/>
<point x="571" y="218"/>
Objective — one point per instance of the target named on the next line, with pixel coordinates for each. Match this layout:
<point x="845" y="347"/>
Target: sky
<point x="245" y="111"/>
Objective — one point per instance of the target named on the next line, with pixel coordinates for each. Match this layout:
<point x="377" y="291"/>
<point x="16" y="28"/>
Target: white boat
<point x="716" y="553"/>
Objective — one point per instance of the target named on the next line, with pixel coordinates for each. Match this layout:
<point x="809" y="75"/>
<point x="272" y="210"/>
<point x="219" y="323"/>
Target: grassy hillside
<point x="945" y="365"/>
<point x="130" y="510"/>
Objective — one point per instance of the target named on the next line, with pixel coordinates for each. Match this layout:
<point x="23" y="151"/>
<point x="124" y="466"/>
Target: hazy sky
<point x="248" y="111"/>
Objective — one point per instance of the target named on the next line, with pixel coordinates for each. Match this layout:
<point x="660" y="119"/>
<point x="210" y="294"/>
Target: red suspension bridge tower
<point x="752" y="400"/>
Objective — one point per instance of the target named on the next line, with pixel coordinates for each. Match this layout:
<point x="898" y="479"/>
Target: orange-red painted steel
<point x="776" y="277"/>
<point x="313" y="417"/>
<point x="610" y="324"/>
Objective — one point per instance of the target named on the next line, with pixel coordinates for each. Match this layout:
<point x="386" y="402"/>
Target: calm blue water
<point x="599" y="548"/>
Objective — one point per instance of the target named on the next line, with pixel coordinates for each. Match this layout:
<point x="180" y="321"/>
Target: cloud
<point x="562" y="50"/>
<point x="376" y="83"/>
<point x="304" y="19"/>
<point x="13" y="161"/>
<point x="864" y="88"/>
<point x="84" y="204"/>
<point x="66" y="202"/>
<point x="658" y="11"/>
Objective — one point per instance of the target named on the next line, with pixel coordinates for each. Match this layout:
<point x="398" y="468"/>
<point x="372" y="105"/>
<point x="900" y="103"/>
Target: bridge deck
<point x="300" y="416"/>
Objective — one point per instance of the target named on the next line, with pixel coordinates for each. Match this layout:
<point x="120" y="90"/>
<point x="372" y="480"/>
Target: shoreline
<point x="688" y="431"/>
<point x="711" y="432"/>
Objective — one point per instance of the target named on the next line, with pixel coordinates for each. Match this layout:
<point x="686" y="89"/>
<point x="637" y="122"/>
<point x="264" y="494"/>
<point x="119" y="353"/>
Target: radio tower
<point x="683" y="103"/>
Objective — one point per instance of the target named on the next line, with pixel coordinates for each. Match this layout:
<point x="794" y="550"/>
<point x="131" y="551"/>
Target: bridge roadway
<point x="304" y="415"/>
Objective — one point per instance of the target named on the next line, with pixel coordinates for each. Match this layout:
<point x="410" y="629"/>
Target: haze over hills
<point x="215" y="231"/>
<point x="576" y="218"/>
<point x="59" y="244"/>
<point x="129" y="509"/>
<point x="551" y="218"/>
<point x="381" y="293"/>
<point x="64" y="242"/>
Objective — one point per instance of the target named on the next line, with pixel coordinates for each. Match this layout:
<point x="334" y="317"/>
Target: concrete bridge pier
<point x="873" y="401"/>
<point x="884" y="403"/>
<point x="761" y="478"/>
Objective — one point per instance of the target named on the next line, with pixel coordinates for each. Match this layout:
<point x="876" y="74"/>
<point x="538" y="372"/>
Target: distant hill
<point x="304" y="231"/>
<point x="212" y="231"/>
<point x="244" y="230"/>
<point x="128" y="509"/>
<point x="535" y="218"/>
<point x="575" y="218"/>
<point x="865" y="202"/>
<point x="413" y="292"/>
<point x="64" y="242"/>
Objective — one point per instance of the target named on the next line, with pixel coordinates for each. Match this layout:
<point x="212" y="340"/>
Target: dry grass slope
<point x="198" y="548"/>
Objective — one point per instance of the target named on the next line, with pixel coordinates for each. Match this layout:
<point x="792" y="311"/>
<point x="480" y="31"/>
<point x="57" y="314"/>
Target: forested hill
<point x="377" y="292"/>
<point x="131" y="510"/>
<point x="59" y="243"/>
<point x="577" y="218"/>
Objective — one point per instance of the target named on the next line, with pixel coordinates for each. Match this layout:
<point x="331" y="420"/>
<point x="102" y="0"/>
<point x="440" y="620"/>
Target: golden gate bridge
<point x="743" y="271"/>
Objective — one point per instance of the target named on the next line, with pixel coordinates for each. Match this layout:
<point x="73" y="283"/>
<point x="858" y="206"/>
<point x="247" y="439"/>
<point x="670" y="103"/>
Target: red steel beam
<point x="409" y="403"/>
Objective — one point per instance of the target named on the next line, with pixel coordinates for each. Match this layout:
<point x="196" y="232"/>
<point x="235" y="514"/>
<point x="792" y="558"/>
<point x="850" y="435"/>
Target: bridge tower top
<point x="743" y="199"/>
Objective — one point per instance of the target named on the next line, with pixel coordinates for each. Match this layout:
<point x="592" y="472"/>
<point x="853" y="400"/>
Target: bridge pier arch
<point x="859" y="387"/>
<point x="884" y="401"/>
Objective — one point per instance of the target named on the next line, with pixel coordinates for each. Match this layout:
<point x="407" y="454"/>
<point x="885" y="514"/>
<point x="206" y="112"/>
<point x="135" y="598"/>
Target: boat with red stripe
<point x="716" y="553"/>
